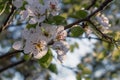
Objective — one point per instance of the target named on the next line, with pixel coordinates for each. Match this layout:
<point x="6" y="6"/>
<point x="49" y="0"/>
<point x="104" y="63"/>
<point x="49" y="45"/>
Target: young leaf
<point x="27" y="57"/>
<point x="31" y="26"/>
<point x="53" y="68"/>
<point x="46" y="60"/>
<point x="76" y="31"/>
<point x="79" y="14"/>
<point x="82" y="13"/>
<point x="57" y="20"/>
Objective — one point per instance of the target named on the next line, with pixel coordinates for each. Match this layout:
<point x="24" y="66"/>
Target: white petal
<point x="33" y="21"/>
<point x="61" y="55"/>
<point x="18" y="45"/>
<point x="50" y="29"/>
<point x="61" y="45"/>
<point x="40" y="54"/>
<point x="60" y="28"/>
<point x="25" y="33"/>
<point x="24" y="15"/>
<point x="18" y="3"/>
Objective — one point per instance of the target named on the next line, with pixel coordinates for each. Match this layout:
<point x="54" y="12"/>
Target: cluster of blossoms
<point x="36" y="41"/>
<point x="36" y="12"/>
<point x="103" y="20"/>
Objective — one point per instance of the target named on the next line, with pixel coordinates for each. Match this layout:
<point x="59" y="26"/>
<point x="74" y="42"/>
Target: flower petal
<point x="18" y="45"/>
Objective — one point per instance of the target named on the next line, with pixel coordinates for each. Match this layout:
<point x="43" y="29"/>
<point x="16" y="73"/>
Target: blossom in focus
<point x="38" y="48"/>
<point x="61" y="33"/>
<point x="36" y="40"/>
<point x="48" y="31"/>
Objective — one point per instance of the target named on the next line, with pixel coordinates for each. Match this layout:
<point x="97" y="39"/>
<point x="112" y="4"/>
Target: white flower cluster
<point x="103" y="20"/>
<point x="37" y="41"/>
<point x="36" y="12"/>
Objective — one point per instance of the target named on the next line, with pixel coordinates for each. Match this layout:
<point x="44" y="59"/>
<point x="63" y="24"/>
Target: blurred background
<point x="89" y="57"/>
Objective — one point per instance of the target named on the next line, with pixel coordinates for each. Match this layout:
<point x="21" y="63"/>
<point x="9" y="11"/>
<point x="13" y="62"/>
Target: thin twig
<point x="12" y="65"/>
<point x="10" y="54"/>
<point x="4" y="8"/>
<point x="101" y="35"/>
<point x="92" y="4"/>
<point x="8" y="20"/>
<point x="102" y="6"/>
<point x="105" y="37"/>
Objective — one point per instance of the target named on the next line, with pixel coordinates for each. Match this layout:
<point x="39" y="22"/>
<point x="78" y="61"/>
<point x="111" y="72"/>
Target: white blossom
<point x="61" y="48"/>
<point x="61" y="33"/>
<point x="18" y="45"/>
<point x="52" y="6"/>
<point x="103" y="20"/>
<point x="38" y="48"/>
<point x="61" y="45"/>
<point x="35" y="12"/>
<point x="61" y="55"/>
<point x="49" y="31"/>
<point x="37" y="39"/>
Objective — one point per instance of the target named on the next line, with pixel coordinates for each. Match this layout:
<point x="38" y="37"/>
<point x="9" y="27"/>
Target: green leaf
<point x="79" y="76"/>
<point x="72" y="48"/>
<point x="57" y="20"/>
<point x="27" y="57"/>
<point x="76" y="45"/>
<point x="86" y="71"/>
<point x="79" y="14"/>
<point x="76" y="31"/>
<point x="53" y="68"/>
<point x="46" y="60"/>
<point x="80" y="66"/>
<point x="31" y="26"/>
<point x="82" y="13"/>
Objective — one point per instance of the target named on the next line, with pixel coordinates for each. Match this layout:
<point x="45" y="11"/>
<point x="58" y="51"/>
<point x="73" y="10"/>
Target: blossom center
<point x="53" y="6"/>
<point x="39" y="46"/>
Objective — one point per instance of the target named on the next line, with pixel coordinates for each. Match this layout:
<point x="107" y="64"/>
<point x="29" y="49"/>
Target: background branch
<point x="102" y="6"/>
<point x="92" y="4"/>
<point x="9" y="18"/>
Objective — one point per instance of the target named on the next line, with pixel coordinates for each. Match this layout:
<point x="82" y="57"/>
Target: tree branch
<point x="10" y="54"/>
<point x="12" y="65"/>
<point x="102" y="6"/>
<point x="8" y="20"/>
<point x="92" y="4"/>
<point x="102" y="36"/>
